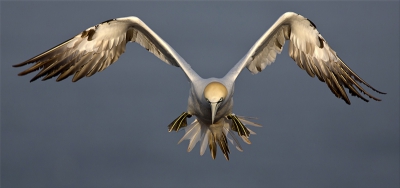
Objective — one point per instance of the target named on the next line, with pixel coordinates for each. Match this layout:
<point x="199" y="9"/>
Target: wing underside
<point x="311" y="53"/>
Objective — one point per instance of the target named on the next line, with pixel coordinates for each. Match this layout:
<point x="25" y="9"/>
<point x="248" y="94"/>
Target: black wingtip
<point x="33" y="79"/>
<point x="23" y="63"/>
<point x="380" y="92"/>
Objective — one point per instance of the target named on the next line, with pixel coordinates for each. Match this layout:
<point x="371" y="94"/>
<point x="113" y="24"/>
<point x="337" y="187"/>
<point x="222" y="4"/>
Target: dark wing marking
<point x="309" y="50"/>
<point x="97" y="47"/>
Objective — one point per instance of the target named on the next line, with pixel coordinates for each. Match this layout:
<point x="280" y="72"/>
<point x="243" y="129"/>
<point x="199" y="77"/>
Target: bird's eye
<point x="220" y="100"/>
<point x="207" y="100"/>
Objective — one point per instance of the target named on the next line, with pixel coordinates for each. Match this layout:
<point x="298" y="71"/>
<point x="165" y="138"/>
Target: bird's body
<point x="210" y="100"/>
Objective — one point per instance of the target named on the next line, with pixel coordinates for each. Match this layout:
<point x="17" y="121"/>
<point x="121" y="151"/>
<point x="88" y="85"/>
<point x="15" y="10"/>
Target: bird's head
<point x="215" y="93"/>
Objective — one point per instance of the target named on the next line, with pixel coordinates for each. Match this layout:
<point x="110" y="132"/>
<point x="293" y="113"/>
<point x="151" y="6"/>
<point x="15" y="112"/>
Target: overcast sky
<point x="110" y="130"/>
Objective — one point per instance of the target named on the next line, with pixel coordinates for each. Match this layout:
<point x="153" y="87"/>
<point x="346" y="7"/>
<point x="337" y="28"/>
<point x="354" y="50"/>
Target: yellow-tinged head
<point x="215" y="93"/>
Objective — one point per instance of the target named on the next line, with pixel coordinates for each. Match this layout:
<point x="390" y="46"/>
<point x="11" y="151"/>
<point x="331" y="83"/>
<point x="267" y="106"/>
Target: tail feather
<point x="223" y="144"/>
<point x="205" y="132"/>
<point x="233" y="139"/>
<point x="218" y="133"/>
<point x="193" y="132"/>
<point x="212" y="145"/>
<point x="246" y="121"/>
<point x="245" y="139"/>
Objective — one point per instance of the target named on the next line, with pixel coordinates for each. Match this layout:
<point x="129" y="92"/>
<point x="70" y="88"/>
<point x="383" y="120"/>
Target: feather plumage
<point x="97" y="47"/>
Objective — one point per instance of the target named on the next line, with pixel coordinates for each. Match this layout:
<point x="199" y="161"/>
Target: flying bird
<point x="210" y="100"/>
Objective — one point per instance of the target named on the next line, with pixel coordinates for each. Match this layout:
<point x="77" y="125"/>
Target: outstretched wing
<point x="309" y="50"/>
<point x="97" y="47"/>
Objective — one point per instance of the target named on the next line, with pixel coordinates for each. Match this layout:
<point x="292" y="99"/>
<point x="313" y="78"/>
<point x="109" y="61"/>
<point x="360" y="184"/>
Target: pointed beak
<point x="214" y="108"/>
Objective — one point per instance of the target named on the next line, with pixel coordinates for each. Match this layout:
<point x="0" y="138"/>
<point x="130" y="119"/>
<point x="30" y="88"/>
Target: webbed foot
<point x="238" y="126"/>
<point x="179" y="122"/>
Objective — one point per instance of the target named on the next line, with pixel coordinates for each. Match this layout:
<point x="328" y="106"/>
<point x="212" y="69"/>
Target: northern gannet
<point x="210" y="100"/>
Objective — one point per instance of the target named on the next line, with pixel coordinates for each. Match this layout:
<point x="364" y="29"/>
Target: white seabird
<point x="210" y="100"/>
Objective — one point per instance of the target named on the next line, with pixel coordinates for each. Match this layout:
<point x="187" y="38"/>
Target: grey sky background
<point x="110" y="130"/>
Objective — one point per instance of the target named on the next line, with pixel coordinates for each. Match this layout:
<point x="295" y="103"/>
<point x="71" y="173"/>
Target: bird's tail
<point x="219" y="133"/>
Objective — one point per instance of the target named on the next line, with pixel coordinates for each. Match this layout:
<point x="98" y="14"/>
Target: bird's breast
<point x="202" y="110"/>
